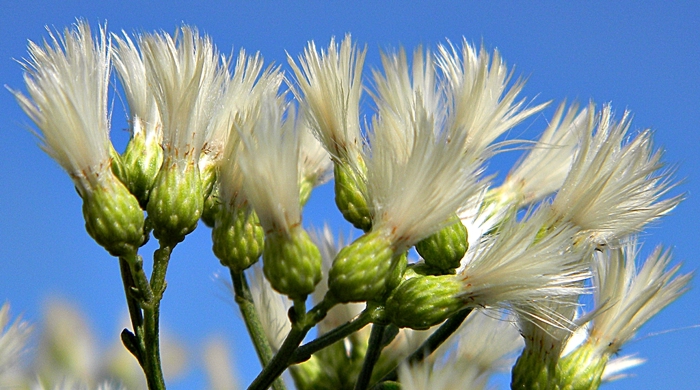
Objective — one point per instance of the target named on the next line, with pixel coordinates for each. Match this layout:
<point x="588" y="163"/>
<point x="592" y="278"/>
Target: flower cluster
<point x="241" y="146"/>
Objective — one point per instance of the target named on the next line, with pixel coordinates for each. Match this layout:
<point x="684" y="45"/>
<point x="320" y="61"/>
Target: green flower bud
<point x="582" y="369"/>
<point x="305" y="188"/>
<point x="237" y="238"/>
<point x="445" y="249"/>
<point x="424" y="301"/>
<point x="113" y="218"/>
<point x="208" y="176"/>
<point x="176" y="202"/>
<point x="361" y="270"/>
<point x="292" y="263"/>
<point x="211" y="208"/>
<point x="350" y="191"/>
<point x="142" y="162"/>
<point x="533" y="371"/>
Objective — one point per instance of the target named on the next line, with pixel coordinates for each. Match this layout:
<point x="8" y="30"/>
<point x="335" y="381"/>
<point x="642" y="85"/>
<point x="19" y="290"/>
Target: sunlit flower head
<point x="186" y="76"/>
<point x="627" y="296"/>
<point x="417" y="172"/>
<point x="614" y="187"/>
<point x="331" y="84"/>
<point x="128" y="62"/>
<point x="523" y="269"/>
<point x="240" y="100"/>
<point x="13" y="339"/>
<point x="67" y="80"/>
<point x="543" y="170"/>
<point x="480" y="98"/>
<point x="269" y="161"/>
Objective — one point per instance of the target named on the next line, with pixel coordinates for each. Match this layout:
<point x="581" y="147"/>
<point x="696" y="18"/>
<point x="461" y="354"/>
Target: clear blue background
<point x="641" y="56"/>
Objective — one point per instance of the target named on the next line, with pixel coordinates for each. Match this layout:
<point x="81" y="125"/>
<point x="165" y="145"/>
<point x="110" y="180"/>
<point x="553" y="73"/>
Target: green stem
<point x="132" y="341"/>
<point x="244" y="299"/>
<point x="304" y="352"/>
<point x="374" y="349"/>
<point x="433" y="342"/>
<point x="301" y="324"/>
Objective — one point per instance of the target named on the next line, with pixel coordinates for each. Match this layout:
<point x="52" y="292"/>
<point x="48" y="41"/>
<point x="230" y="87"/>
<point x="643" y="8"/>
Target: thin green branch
<point x="244" y="299"/>
<point x="304" y="352"/>
<point x="374" y="349"/>
<point x="301" y="324"/>
<point x="432" y="343"/>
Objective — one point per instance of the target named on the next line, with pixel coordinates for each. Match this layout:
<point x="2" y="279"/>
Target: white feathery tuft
<point x="67" y="81"/>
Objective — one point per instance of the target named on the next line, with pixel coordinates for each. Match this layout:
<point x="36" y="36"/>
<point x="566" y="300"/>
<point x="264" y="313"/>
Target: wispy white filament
<point x="67" y="80"/>
<point x="331" y="84"/>
<point x="186" y="78"/>
<point x="269" y="161"/>
<point x="614" y="187"/>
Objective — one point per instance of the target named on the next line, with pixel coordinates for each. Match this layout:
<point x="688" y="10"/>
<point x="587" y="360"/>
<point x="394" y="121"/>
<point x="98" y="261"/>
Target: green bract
<point x="176" y="202"/>
<point x="141" y="163"/>
<point x="424" y="301"/>
<point x="350" y="190"/>
<point x="113" y="218"/>
<point x="292" y="263"/>
<point x="238" y="238"/>
<point x="361" y="270"/>
<point x="445" y="249"/>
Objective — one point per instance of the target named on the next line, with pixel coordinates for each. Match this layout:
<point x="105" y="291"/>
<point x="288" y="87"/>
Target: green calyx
<point x="364" y="270"/>
<point x="424" y="301"/>
<point x="292" y="263"/>
<point x="141" y="161"/>
<point x="113" y="218"/>
<point x="532" y="371"/>
<point x="176" y="201"/>
<point x="445" y="249"/>
<point x="350" y="196"/>
<point x="212" y="207"/>
<point x="237" y="238"/>
<point x="582" y="369"/>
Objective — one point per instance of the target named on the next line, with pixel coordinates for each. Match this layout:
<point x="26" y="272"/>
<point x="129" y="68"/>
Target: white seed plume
<point x="413" y="192"/>
<point x="128" y="62"/>
<point x="240" y="100"/>
<point x="543" y="170"/>
<point x="522" y="269"/>
<point x="315" y="162"/>
<point x="613" y="188"/>
<point x="488" y="340"/>
<point x="629" y="297"/>
<point x="186" y="78"/>
<point x="482" y="103"/>
<point x="331" y="84"/>
<point x="269" y="161"/>
<point x="13" y="339"/>
<point x="272" y="309"/>
<point x="67" y="81"/>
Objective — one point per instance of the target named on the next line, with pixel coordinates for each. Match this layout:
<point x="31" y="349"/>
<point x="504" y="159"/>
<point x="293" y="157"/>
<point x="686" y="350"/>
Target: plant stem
<point x="433" y="342"/>
<point x="244" y="299"/>
<point x="143" y="299"/>
<point x="301" y="324"/>
<point x="304" y="352"/>
<point x="374" y="349"/>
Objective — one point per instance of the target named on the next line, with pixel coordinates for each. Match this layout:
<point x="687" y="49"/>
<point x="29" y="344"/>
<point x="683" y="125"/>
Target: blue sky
<point x="641" y="58"/>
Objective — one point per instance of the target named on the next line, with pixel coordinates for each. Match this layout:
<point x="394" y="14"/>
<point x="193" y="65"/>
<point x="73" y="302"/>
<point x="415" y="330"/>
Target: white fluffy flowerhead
<point x="628" y="297"/>
<point x="482" y="103"/>
<point x="543" y="170"/>
<point x="331" y="83"/>
<point x="417" y="171"/>
<point x="186" y="78"/>
<point x="614" y="187"/>
<point x="13" y="339"/>
<point x="67" y="80"/>
<point x="269" y="161"/>
<point x="522" y="269"/>
<point x="145" y="118"/>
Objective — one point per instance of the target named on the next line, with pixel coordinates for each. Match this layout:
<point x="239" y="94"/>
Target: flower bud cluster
<point x="224" y="143"/>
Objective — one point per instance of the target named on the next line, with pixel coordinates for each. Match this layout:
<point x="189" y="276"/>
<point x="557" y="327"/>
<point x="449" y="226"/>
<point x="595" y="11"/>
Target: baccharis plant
<point x="242" y="145"/>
